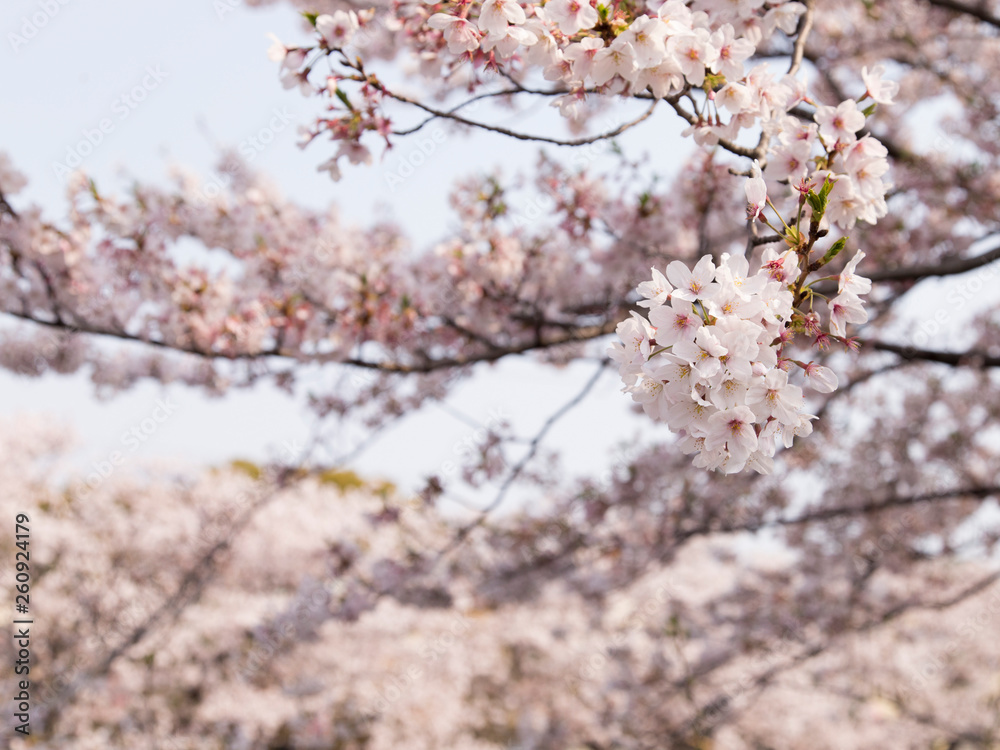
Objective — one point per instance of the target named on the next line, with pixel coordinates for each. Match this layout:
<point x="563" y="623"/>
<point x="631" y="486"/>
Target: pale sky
<point x="205" y="82"/>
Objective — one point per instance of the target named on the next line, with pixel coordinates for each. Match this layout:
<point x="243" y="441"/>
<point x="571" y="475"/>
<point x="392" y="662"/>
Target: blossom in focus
<point x="880" y="91"/>
<point x="849" y="281"/>
<point x="756" y="190"/>
<point x="846" y="308"/>
<point x="458" y="32"/>
<point x="654" y="292"/>
<point x="495" y="16"/>
<point x="571" y="15"/>
<point x="710" y="361"/>
<point x="840" y="122"/>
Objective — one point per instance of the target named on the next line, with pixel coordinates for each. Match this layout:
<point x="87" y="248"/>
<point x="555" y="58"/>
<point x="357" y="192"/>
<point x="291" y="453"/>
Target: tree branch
<point x="449" y="115"/>
<point x="720" y="707"/>
<point x="464" y="532"/>
<point x="805" y="26"/>
<point x="955" y="359"/>
<point x="947" y="268"/>
<point x="826" y="514"/>
<point x="574" y="335"/>
<point x="981" y="13"/>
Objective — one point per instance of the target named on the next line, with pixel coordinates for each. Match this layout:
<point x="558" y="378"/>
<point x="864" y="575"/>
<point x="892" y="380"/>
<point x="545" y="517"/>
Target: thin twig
<point x="464" y="532"/>
<point x="445" y="114"/>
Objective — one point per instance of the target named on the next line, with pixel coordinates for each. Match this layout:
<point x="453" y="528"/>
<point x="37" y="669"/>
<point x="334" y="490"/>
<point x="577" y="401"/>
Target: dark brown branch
<point x="820" y="647"/>
<point x="950" y="267"/>
<point x="947" y="268"/>
<point x="5" y="207"/>
<point x="466" y="103"/>
<point x="981" y="13"/>
<point x="536" y="441"/>
<point x="445" y="114"/>
<point x="766" y="239"/>
<point x="583" y="333"/>
<point x="826" y="514"/>
<point x="955" y="359"/>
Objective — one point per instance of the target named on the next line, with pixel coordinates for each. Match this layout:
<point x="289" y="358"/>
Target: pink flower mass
<point x="678" y="431"/>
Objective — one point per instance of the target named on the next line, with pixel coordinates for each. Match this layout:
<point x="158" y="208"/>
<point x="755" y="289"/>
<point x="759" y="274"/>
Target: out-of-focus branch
<point x="572" y="335"/>
<point x="191" y="587"/>
<point x="947" y="268"/>
<point x="464" y="532"/>
<point x="805" y="26"/>
<point x="720" y="708"/>
<point x="5" y="207"/>
<point x="826" y="514"/>
<point x="981" y="13"/>
<point x="955" y="359"/>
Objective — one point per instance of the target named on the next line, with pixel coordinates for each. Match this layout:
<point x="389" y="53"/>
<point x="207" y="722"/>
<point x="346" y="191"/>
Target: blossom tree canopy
<point x="768" y="304"/>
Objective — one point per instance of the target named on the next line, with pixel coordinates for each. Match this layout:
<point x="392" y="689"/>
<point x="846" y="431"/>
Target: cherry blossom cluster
<point x="338" y="640"/>
<point x="829" y="148"/>
<point x="581" y="47"/>
<point x="709" y="357"/>
<point x="700" y="51"/>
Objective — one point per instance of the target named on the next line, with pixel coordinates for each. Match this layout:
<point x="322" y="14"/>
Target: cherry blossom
<point x="829" y="586"/>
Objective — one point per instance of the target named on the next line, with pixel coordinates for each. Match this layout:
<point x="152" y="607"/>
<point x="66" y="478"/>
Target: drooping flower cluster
<point x="709" y="359"/>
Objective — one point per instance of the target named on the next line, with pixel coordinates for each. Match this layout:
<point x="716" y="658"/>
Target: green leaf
<point x="714" y="81"/>
<point x="311" y="17"/>
<point x="867" y="111"/>
<point x="249" y="468"/>
<point x="344" y="479"/>
<point x="834" y="251"/>
<point x="825" y="190"/>
<point x="343" y="97"/>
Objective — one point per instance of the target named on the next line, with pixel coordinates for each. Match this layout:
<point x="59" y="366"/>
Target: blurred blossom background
<point x="290" y="552"/>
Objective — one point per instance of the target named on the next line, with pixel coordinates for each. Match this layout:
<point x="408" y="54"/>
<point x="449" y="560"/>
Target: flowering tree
<point x="859" y="438"/>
